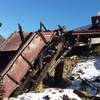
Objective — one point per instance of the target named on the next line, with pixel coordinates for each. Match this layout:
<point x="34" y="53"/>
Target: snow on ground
<point x="49" y="94"/>
<point x="89" y="69"/>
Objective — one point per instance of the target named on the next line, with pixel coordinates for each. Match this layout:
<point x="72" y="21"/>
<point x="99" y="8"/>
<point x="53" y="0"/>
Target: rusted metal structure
<point x="23" y="53"/>
<point x="26" y="58"/>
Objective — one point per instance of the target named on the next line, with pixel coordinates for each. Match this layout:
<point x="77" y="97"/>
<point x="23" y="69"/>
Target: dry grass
<point x="97" y="50"/>
<point x="69" y="64"/>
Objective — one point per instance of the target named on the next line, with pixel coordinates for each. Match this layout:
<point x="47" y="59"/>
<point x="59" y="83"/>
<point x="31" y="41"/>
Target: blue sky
<point x="29" y="13"/>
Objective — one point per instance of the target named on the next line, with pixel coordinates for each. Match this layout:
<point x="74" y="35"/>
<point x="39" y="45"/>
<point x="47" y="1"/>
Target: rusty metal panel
<point x="8" y="86"/>
<point x="18" y="67"/>
<point x="35" y="46"/>
<point x="13" y="42"/>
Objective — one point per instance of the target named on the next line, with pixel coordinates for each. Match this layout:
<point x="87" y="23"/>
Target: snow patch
<point x="49" y="94"/>
<point x="89" y="69"/>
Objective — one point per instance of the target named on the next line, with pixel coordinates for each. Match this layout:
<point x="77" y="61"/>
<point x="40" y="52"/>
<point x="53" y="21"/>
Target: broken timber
<point x="50" y="67"/>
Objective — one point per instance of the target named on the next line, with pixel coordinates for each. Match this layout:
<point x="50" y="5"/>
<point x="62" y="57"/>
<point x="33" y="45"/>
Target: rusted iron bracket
<point x="42" y="27"/>
<point x="29" y="63"/>
<point x="43" y="38"/>
<point x="21" y="33"/>
<point x="13" y="79"/>
<point x="0" y="24"/>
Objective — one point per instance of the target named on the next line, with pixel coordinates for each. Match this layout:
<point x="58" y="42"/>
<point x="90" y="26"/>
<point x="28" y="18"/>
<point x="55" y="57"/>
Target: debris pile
<point x="52" y="58"/>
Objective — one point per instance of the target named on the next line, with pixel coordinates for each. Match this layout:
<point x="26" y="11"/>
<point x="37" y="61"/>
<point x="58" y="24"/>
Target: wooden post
<point x="58" y="73"/>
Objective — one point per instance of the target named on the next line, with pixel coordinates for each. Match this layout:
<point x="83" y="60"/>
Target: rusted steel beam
<point x="86" y="32"/>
